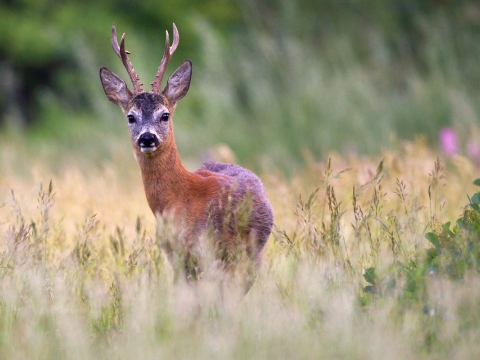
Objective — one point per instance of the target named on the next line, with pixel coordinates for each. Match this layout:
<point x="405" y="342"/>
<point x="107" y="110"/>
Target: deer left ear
<point x="179" y="83"/>
<point x="115" y="88"/>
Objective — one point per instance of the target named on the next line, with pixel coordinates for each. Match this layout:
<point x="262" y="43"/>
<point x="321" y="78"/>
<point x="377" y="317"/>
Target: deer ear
<point x="178" y="84"/>
<point x="115" y="88"/>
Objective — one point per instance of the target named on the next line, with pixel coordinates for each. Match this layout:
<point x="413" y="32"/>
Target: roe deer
<point x="206" y="198"/>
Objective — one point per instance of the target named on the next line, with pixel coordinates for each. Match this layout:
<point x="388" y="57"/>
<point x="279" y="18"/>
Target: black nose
<point x="148" y="140"/>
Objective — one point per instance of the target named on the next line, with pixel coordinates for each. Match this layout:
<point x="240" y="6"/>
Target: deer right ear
<point x="178" y="84"/>
<point x="115" y="88"/>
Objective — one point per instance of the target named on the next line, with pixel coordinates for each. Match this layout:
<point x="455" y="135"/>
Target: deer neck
<point x="165" y="179"/>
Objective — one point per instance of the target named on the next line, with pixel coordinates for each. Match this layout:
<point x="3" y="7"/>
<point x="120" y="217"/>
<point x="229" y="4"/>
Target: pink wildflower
<point x="473" y="150"/>
<point x="449" y="141"/>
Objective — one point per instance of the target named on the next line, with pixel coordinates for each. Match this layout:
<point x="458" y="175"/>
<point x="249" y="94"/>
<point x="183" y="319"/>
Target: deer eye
<point x="165" y="117"/>
<point x="131" y="119"/>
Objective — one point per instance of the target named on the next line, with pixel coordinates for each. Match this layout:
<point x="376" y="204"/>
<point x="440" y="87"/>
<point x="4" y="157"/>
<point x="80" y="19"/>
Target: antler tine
<point x="122" y="54"/>
<point x="169" y="50"/>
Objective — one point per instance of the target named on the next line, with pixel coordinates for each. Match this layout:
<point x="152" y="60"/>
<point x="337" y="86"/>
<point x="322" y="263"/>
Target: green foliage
<point x="456" y="251"/>
<point x="273" y="80"/>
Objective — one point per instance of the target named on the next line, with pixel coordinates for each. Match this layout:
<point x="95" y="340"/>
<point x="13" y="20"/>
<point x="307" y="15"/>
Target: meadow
<point x="375" y="252"/>
<point x="361" y="265"/>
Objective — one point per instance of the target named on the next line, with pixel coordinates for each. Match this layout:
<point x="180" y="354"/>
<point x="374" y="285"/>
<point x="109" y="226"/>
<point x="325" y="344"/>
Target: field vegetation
<point x="361" y="121"/>
<point x="367" y="260"/>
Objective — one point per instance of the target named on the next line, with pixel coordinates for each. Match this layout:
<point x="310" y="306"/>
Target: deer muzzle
<point x="148" y="142"/>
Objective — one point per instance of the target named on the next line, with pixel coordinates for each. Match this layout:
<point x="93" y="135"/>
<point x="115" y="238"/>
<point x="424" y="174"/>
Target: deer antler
<point x="169" y="50"/>
<point x="122" y="54"/>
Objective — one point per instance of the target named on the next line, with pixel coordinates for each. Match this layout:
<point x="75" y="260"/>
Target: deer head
<point x="149" y="113"/>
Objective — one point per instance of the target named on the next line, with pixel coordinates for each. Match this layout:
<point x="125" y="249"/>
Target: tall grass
<point x="83" y="273"/>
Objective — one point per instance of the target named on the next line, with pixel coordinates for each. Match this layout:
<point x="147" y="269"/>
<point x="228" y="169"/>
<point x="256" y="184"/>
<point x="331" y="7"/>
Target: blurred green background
<point x="275" y="80"/>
